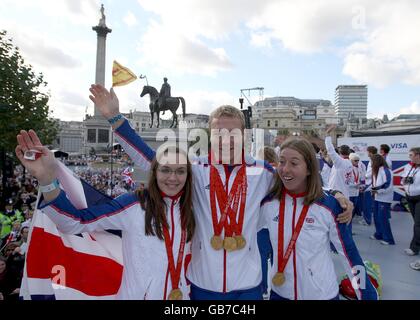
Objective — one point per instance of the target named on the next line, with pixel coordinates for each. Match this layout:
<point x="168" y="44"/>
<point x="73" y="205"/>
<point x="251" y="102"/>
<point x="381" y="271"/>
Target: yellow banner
<point x="121" y="75"/>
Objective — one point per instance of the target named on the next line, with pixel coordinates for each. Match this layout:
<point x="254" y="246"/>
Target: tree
<point x="23" y="98"/>
<point x="23" y="105"/>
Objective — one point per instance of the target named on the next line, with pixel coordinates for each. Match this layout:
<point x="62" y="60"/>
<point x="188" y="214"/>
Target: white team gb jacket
<point x="309" y="272"/>
<point x="383" y="185"/>
<point x="145" y="274"/>
<point x="341" y="171"/>
<point x="212" y="270"/>
<point x="359" y="173"/>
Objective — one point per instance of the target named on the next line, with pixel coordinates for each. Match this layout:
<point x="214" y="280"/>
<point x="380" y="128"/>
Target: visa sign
<point x="401" y="145"/>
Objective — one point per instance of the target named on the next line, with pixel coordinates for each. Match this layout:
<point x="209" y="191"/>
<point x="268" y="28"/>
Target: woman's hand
<point x="44" y="168"/>
<point x="106" y="101"/>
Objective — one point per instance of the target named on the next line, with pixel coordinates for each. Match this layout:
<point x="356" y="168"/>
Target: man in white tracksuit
<point x="342" y="169"/>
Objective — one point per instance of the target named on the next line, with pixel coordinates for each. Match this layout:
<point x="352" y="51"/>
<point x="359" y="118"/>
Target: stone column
<point x="102" y="30"/>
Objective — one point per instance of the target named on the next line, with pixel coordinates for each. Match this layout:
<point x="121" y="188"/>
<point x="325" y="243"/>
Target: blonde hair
<point x="269" y="155"/>
<point x="227" y="111"/>
<point x="314" y="187"/>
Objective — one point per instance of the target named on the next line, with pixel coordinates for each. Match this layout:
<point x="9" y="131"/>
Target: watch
<point x="50" y="187"/>
<point x="334" y="192"/>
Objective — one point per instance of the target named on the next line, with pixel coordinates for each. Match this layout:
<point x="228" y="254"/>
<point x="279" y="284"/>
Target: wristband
<point x="48" y="188"/>
<point x="115" y="119"/>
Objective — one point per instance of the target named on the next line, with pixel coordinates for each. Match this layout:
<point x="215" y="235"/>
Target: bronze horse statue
<point x="158" y="104"/>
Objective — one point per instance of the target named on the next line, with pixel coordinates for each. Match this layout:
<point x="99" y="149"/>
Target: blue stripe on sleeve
<point x="348" y="246"/>
<point x="135" y="141"/>
<point x="92" y="214"/>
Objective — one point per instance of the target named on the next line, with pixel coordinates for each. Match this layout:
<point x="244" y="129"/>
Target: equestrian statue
<point x="162" y="101"/>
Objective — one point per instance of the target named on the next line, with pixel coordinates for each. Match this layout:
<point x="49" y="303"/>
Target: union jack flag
<point x="64" y="266"/>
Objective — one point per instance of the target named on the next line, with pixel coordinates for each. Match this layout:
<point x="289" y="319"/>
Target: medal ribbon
<point x="175" y="272"/>
<point x="282" y="260"/>
<point x="356" y="177"/>
<point x="238" y="191"/>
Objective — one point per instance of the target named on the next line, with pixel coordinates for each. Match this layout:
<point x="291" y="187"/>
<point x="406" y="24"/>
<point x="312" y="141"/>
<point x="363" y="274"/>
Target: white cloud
<point x="170" y="51"/>
<point x="414" y="108"/>
<point x="378" y="38"/>
<point x="259" y="39"/>
<point x="203" y="101"/>
<point x="367" y="68"/>
<point x="43" y="52"/>
<point x="130" y="19"/>
<point x="78" y="12"/>
<point x="388" y="53"/>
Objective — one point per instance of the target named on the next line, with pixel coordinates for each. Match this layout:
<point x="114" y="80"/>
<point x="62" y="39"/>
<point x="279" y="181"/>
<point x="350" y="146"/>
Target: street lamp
<point x="241" y="101"/>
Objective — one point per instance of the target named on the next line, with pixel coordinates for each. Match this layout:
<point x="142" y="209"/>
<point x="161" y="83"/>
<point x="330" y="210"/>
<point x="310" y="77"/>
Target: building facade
<point x="292" y="116"/>
<point x="351" y="101"/>
<point x="70" y="137"/>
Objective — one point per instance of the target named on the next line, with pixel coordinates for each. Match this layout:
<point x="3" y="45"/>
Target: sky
<point x="211" y="49"/>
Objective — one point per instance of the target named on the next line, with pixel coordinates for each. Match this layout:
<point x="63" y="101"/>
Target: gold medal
<point x="176" y="294"/>
<point x="229" y="243"/>
<point x="216" y="242"/>
<point x="240" y="242"/>
<point x="279" y="279"/>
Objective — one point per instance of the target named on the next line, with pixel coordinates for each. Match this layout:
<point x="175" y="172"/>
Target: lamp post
<point x="241" y="101"/>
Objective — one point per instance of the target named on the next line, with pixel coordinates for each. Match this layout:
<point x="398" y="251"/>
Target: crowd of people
<point x="121" y="182"/>
<point x="371" y="188"/>
<point x="206" y="228"/>
<point x="20" y="193"/>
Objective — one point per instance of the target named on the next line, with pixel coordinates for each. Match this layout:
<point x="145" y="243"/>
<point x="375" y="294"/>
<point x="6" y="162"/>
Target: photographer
<point x="411" y="183"/>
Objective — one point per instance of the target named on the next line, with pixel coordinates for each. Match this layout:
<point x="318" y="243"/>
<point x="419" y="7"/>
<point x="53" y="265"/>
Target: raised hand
<point x="44" y="168"/>
<point x="331" y="128"/>
<point x="106" y="101"/>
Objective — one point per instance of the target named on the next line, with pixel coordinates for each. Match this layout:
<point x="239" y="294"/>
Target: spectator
<point x="326" y="168"/>
<point x="342" y="169"/>
<point x="367" y="195"/>
<point x="9" y="283"/>
<point x="383" y="193"/>
<point x="411" y="183"/>
<point x="359" y="173"/>
<point x="384" y="150"/>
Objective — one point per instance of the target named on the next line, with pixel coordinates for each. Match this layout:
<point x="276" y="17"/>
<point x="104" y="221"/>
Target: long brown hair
<point x="377" y="162"/>
<point x="314" y="187"/>
<point x="152" y="202"/>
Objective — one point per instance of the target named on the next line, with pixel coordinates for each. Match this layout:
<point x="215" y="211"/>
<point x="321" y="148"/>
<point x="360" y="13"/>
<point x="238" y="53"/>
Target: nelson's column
<point x="97" y="133"/>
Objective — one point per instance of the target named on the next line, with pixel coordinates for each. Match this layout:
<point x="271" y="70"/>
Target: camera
<point x="408" y="180"/>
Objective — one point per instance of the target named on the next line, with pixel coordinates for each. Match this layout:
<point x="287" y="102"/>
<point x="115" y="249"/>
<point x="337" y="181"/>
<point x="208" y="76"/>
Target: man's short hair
<point x="344" y="150"/>
<point x="372" y="149"/>
<point x="385" y="148"/>
<point x="415" y="150"/>
<point x="227" y="111"/>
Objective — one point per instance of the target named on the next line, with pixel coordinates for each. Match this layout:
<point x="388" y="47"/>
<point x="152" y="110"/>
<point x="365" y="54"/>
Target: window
<point x="276" y="123"/>
<point x="91" y="136"/>
<point x="103" y="136"/>
<point x="268" y="123"/>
